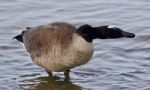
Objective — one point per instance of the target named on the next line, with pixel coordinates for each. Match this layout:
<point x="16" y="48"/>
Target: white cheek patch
<point x="111" y="26"/>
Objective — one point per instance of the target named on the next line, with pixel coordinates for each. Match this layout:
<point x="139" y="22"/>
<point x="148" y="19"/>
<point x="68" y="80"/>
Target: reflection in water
<point x="48" y="83"/>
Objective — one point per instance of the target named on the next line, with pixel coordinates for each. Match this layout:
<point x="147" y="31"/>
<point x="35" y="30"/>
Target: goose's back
<point x="44" y="37"/>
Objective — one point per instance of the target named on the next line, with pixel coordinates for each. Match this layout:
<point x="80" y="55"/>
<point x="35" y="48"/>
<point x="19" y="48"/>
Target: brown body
<point x="57" y="46"/>
<point x="60" y="46"/>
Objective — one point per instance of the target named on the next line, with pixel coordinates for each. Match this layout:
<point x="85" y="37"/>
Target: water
<point x="121" y="64"/>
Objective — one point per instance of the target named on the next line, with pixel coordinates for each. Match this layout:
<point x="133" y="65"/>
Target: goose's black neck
<point x="89" y="33"/>
<point x="102" y="32"/>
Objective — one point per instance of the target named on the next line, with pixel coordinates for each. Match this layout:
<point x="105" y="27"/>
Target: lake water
<point x="119" y="64"/>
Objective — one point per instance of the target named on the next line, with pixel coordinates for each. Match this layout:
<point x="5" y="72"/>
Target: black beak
<point x="19" y="38"/>
<point x="129" y="35"/>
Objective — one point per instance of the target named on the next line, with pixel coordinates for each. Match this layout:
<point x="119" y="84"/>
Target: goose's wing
<point x="41" y="39"/>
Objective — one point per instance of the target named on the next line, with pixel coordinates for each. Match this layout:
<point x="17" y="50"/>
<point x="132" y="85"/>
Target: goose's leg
<point x="49" y="73"/>
<point x="66" y="74"/>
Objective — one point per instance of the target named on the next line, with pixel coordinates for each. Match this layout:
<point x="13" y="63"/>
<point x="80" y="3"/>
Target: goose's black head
<point x="102" y="32"/>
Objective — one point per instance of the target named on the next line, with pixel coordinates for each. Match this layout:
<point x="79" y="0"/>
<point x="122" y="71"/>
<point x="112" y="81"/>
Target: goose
<point x="60" y="46"/>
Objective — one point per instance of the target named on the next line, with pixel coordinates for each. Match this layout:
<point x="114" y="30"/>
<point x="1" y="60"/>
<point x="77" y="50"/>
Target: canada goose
<point x="60" y="46"/>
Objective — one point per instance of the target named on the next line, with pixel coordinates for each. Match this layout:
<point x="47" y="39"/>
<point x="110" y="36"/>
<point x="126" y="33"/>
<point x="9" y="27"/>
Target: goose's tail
<point x="19" y="38"/>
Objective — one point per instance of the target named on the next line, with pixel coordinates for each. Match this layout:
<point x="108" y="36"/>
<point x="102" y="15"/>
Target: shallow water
<point x="120" y="64"/>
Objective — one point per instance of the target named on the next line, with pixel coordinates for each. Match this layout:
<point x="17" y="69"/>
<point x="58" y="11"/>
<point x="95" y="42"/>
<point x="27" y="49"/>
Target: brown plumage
<point x="60" y="46"/>
<point x="57" y="46"/>
<point x="46" y="36"/>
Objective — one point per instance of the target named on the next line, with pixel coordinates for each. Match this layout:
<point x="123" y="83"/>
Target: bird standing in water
<point x="60" y="46"/>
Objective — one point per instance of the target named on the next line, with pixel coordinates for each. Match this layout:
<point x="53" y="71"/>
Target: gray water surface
<point x="120" y="64"/>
